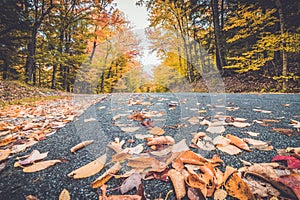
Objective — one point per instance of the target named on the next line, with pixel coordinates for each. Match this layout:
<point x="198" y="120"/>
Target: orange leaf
<point x="81" y="145"/>
<point x="157" y="131"/>
<point x="160" y="140"/>
<point x="178" y="182"/>
<point x="238" y="142"/>
<point x="106" y="176"/>
<point x="64" y="195"/>
<point x="143" y="162"/>
<point x="89" y="169"/>
<point x="4" y="154"/>
<point x="40" y="166"/>
<point x="236" y="187"/>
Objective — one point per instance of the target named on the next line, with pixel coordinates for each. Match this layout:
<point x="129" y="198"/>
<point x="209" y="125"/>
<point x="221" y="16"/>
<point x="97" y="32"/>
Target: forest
<point x="89" y="46"/>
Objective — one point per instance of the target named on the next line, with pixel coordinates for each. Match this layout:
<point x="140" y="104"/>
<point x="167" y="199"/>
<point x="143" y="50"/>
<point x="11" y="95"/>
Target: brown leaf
<point x="157" y="131"/>
<point x="89" y="169"/>
<point x="4" y="154"/>
<point x="143" y="162"/>
<point x="81" y="145"/>
<point x="106" y="176"/>
<point x="130" y="129"/>
<point x="237" y="188"/>
<point x="270" y="120"/>
<point x="64" y="195"/>
<point x="160" y="140"/>
<point x="292" y="181"/>
<point x="238" y="142"/>
<point x="188" y="157"/>
<point x="178" y="183"/>
<point x="195" y="194"/>
<point x="117" y="197"/>
<point x="284" y="131"/>
<point x="230" y="149"/>
<point x="31" y="197"/>
<point x="220" y="194"/>
<point x="240" y="124"/>
<point x="40" y="166"/>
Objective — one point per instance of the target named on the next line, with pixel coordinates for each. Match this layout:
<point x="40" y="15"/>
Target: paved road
<point x="96" y="123"/>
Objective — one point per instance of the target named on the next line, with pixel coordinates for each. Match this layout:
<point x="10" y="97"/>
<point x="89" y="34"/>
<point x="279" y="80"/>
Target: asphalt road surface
<point x="97" y="123"/>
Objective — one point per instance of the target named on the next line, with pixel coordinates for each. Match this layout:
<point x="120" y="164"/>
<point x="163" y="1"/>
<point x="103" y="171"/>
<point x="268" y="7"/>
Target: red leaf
<point x="292" y="181"/>
<point x="292" y="162"/>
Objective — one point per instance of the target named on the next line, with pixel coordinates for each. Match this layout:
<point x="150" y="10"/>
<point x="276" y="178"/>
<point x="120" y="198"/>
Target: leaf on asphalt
<point x="157" y="131"/>
<point x="64" y="195"/>
<point x="240" y="124"/>
<point x="130" y="129"/>
<point x="221" y="141"/>
<point x="106" y="176"/>
<point x="81" y="145"/>
<point x="292" y="162"/>
<point x="254" y="134"/>
<point x="133" y="181"/>
<point x="40" y="166"/>
<point x="89" y="169"/>
<point x="35" y="155"/>
<point x="206" y="144"/>
<point x="178" y="183"/>
<point x="4" y="154"/>
<point x="295" y="124"/>
<point x="31" y="197"/>
<point x="116" y="145"/>
<point x="262" y="189"/>
<point x="136" y="150"/>
<point x="270" y="120"/>
<point x="205" y="122"/>
<point x="143" y="162"/>
<point x="237" y="188"/>
<point x="255" y="142"/>
<point x="143" y="136"/>
<point x="293" y="182"/>
<point x="160" y="140"/>
<point x="238" y="142"/>
<point x="194" y="120"/>
<point x="89" y="120"/>
<point x="180" y="146"/>
<point x="197" y="136"/>
<point x="216" y="129"/>
<point x="293" y="150"/>
<point x="230" y="149"/>
<point x="284" y="131"/>
<point x="195" y="181"/>
<point x="194" y="194"/>
<point x="263" y="111"/>
<point x="7" y="140"/>
<point x="220" y="194"/>
<point x="188" y="157"/>
<point x="117" y="197"/>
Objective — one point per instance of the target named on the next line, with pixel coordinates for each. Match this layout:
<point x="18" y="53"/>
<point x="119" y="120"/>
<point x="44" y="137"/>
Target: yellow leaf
<point x="64" y="195"/>
<point x="40" y="166"/>
<point x="106" y="176"/>
<point x="89" y="169"/>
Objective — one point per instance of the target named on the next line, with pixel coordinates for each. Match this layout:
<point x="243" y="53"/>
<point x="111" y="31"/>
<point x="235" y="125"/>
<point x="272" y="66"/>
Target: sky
<point x="137" y="15"/>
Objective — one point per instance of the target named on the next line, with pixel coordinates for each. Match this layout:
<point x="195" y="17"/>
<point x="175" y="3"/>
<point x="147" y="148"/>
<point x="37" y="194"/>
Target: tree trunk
<point x="53" y="80"/>
<point x="218" y="39"/>
<point x="284" y="54"/>
<point x="30" y="62"/>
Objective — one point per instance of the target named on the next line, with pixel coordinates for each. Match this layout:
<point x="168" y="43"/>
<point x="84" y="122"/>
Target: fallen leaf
<point x="292" y="181"/>
<point x="238" y="142"/>
<point x="262" y="189"/>
<point x="285" y="131"/>
<point x="263" y="111"/>
<point x="106" y="176"/>
<point x="136" y="150"/>
<point x="116" y="145"/>
<point x="89" y="120"/>
<point x="40" y="166"/>
<point x="4" y="154"/>
<point x="157" y="131"/>
<point x="216" y="129"/>
<point x="160" y="140"/>
<point x="143" y="162"/>
<point x="270" y="120"/>
<point x="240" y="124"/>
<point x="254" y="134"/>
<point x="89" y="169"/>
<point x="221" y="141"/>
<point x="197" y="136"/>
<point x="131" y="182"/>
<point x="64" y="195"/>
<point x="237" y="188"/>
<point x="31" y="197"/>
<point x="35" y="155"/>
<point x="81" y="145"/>
<point x="230" y="149"/>
<point x="178" y="183"/>
<point x="117" y="197"/>
<point x="220" y="194"/>
<point x="195" y="194"/>
<point x="194" y="120"/>
<point x="292" y="162"/>
<point x="293" y="150"/>
<point x="130" y="129"/>
<point x="180" y="146"/>
<point x="255" y="142"/>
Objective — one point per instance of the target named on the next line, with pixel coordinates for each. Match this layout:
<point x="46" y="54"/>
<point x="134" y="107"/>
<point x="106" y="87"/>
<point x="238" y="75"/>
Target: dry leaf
<point x="270" y="120"/>
<point x="106" y="176"/>
<point x="285" y="131"/>
<point x="133" y="181"/>
<point x="230" y="149"/>
<point x="255" y="142"/>
<point x="160" y="140"/>
<point x="221" y="141"/>
<point x="262" y="111"/>
<point x="81" y="145"/>
<point x="130" y="129"/>
<point x="194" y="120"/>
<point x="40" y="166"/>
<point x="178" y="183"/>
<point x="31" y="197"/>
<point x="136" y="150"/>
<point x="254" y="134"/>
<point x="293" y="150"/>
<point x="89" y="169"/>
<point x="240" y="124"/>
<point x="143" y="162"/>
<point x="64" y="195"/>
<point x="180" y="146"/>
<point x="216" y="129"/>
<point x="220" y="194"/>
<point x="197" y="136"/>
<point x="35" y="155"/>
<point x="4" y="154"/>
<point x="195" y="194"/>
<point x="117" y="197"/>
<point x="237" y="188"/>
<point x="238" y="142"/>
<point x="116" y="145"/>
<point x="157" y="131"/>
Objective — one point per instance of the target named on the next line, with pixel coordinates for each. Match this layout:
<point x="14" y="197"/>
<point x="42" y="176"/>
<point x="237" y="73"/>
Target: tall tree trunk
<point x="30" y="62"/>
<point x="53" y="80"/>
<point x="218" y="38"/>
<point x="284" y="54"/>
